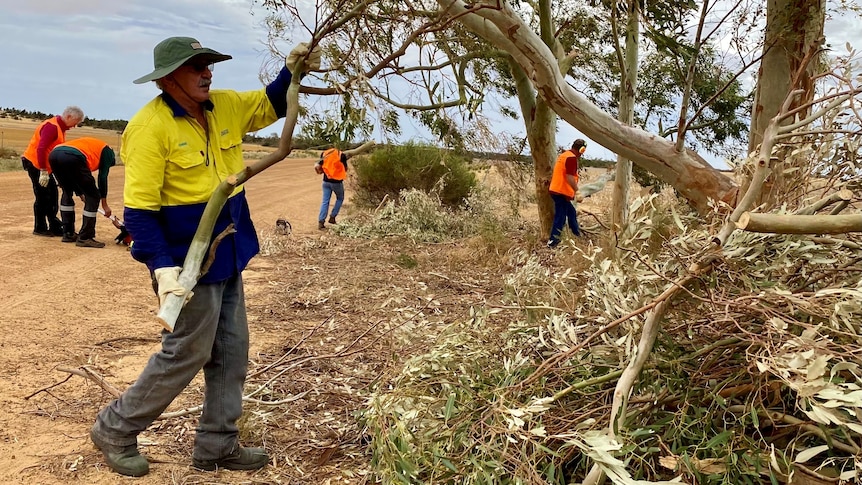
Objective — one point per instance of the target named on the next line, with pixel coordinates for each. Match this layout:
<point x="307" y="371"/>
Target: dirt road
<point x="62" y="301"/>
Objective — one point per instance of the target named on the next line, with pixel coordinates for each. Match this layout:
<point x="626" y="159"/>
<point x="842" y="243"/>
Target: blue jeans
<point x="328" y="189"/>
<point x="563" y="211"/>
<point x="211" y="334"/>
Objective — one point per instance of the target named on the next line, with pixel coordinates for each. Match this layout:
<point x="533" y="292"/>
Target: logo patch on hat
<point x="196" y="45"/>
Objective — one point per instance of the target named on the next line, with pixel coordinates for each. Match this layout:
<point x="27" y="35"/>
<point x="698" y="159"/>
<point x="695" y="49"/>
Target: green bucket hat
<point x="172" y="52"/>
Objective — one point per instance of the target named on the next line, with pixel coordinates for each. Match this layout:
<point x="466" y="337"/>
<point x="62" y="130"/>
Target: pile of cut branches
<point x="756" y="373"/>
<point x="692" y="352"/>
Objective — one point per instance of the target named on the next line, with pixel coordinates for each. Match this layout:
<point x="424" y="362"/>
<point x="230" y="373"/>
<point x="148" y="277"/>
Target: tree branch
<point x="800" y="224"/>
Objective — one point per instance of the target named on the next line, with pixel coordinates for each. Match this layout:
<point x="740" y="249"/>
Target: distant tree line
<point x="300" y="141"/>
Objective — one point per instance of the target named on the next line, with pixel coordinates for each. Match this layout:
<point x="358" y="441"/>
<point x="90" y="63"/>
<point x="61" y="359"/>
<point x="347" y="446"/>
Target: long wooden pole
<point x="169" y="311"/>
<point x="800" y="224"/>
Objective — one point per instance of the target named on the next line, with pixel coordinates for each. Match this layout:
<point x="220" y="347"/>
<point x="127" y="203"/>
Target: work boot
<point x="89" y="243"/>
<point x="125" y="460"/>
<point x="240" y="459"/>
<point x="320" y="225"/>
<point x="47" y="233"/>
<point x="70" y="237"/>
<point x="332" y="219"/>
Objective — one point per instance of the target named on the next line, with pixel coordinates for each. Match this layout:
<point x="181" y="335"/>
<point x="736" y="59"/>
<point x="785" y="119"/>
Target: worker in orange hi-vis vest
<point x="564" y="189"/>
<point x="73" y="163"/>
<point x="333" y="166"/>
<point x="48" y="134"/>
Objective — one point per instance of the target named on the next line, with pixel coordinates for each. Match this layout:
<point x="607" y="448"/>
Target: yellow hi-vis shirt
<point x="172" y="161"/>
<point x="172" y="168"/>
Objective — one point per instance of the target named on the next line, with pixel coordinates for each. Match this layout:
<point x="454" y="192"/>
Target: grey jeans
<point x="211" y="333"/>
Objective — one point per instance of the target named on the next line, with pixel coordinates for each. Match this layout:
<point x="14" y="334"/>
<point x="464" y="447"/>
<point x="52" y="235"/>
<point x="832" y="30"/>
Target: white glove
<point x="43" y="178"/>
<point x="167" y="280"/>
<point x="312" y="63"/>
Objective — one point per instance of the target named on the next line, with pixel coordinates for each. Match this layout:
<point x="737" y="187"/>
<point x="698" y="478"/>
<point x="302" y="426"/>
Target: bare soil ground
<point x="328" y="316"/>
<point x="71" y="307"/>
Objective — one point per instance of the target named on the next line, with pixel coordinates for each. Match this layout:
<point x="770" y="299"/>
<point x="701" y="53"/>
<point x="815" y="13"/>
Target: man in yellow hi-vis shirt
<point x="177" y="149"/>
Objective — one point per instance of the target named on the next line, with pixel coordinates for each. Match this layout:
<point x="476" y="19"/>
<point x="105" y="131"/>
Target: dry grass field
<point x="16" y="134"/>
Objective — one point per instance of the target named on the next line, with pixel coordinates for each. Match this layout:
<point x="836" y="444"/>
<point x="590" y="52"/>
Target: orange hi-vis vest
<point x="91" y="148"/>
<point x="559" y="184"/>
<point x="332" y="166"/>
<point x="30" y="152"/>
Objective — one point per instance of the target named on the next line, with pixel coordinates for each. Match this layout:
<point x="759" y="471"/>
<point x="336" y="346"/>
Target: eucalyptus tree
<point x="629" y="57"/>
<point x="792" y="58"/>
<point x="439" y="67"/>
<point x="387" y="57"/>
<point x="444" y="64"/>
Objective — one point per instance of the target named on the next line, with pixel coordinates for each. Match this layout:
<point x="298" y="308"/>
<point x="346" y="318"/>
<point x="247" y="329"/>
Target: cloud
<point x="87" y="52"/>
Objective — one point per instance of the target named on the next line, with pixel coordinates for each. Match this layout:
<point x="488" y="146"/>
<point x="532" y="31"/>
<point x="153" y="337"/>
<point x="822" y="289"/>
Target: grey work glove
<point x="312" y="63"/>
<point x="167" y="281"/>
<point x="44" y="178"/>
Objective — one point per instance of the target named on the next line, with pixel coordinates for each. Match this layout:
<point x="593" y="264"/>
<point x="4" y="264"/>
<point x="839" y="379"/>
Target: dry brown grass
<point x="16" y="134"/>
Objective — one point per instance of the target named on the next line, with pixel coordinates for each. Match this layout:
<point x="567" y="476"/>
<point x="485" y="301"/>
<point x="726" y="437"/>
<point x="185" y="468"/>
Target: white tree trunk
<point x="628" y="97"/>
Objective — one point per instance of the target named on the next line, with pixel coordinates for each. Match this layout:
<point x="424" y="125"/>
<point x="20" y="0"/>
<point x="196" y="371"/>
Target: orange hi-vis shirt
<point x="559" y="184"/>
<point x="332" y="166"/>
<point x="32" y="153"/>
<point x="91" y="148"/>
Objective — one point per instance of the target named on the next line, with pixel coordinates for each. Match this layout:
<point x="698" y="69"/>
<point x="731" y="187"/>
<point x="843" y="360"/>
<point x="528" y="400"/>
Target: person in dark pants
<point x="563" y="189"/>
<point x="333" y="166"/>
<point x="176" y="150"/>
<point x="73" y="164"/>
<point x="48" y="134"/>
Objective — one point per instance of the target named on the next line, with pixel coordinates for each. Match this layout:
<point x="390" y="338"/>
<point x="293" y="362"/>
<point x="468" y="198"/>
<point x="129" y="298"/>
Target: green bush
<point x="647" y="179"/>
<point x="389" y="171"/>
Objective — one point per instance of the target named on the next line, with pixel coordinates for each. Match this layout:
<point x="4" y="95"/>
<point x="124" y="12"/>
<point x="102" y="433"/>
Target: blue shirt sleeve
<point x="149" y="245"/>
<point x="276" y="91"/>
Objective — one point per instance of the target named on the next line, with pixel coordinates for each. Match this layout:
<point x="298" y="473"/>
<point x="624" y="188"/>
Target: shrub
<point x="422" y="217"/>
<point x="388" y="171"/>
<point x="9" y="160"/>
<point x="647" y="179"/>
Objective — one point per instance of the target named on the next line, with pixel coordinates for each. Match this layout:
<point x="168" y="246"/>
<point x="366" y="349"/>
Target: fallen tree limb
<point x="840" y="242"/>
<point x="775" y="417"/>
<point x="762" y="170"/>
<point x="92" y="375"/>
<point x="839" y="207"/>
<point x="197" y="409"/>
<point x="173" y="304"/>
<point x="630" y="375"/>
<point x="800" y="224"/>
<point x="359" y="150"/>
<point x="843" y="195"/>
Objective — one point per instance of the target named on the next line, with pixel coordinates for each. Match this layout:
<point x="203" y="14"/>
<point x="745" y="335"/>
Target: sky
<point x="55" y="53"/>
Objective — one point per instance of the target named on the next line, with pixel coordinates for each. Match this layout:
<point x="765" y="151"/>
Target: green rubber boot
<point x="125" y="460"/>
